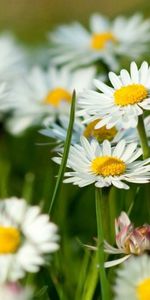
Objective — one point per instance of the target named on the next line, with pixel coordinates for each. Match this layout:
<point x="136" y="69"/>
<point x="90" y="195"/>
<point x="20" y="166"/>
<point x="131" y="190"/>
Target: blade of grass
<point x="143" y="137"/>
<point x="82" y="275"/>
<point x="100" y="247"/>
<point x="28" y="187"/>
<point x="91" y="280"/>
<point x="65" y="154"/>
<point x="4" y="183"/>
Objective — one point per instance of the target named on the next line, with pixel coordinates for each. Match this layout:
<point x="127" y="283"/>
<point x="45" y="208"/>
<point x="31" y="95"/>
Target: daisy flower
<point x="122" y="103"/>
<point x="43" y="94"/>
<point x="26" y="236"/>
<point x="133" y="279"/>
<point x="14" y="291"/>
<point x="116" y="133"/>
<point x="75" y="45"/>
<point x="58" y="131"/>
<point x="129" y="240"/>
<point x="105" y="165"/>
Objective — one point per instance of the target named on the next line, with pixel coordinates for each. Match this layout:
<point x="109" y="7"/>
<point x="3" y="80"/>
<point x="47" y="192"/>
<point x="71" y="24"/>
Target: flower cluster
<point x="109" y="141"/>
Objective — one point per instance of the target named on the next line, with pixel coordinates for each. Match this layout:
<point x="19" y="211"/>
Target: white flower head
<point x="122" y="103"/>
<point x="75" y="45"/>
<point x="58" y="131"/>
<point x="41" y="94"/>
<point x="26" y="236"/>
<point x="14" y="291"/>
<point x="133" y="279"/>
<point x="129" y="240"/>
<point x="104" y="165"/>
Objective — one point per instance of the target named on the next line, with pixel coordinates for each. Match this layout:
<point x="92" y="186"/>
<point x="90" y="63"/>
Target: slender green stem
<point x="113" y="211"/>
<point x="100" y="233"/>
<point x="143" y="138"/>
<point x="65" y="153"/>
<point x="90" y="280"/>
<point x="146" y="151"/>
<point x="28" y="187"/>
<point x="105" y="208"/>
<point x="131" y="197"/>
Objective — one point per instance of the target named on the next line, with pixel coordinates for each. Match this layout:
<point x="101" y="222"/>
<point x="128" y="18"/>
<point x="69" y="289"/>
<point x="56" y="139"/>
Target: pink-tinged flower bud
<point x="14" y="291"/>
<point x="129" y="240"/>
<point x="123" y="229"/>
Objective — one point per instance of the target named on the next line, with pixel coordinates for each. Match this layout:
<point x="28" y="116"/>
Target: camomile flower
<point x="114" y="134"/>
<point x="75" y="45"/>
<point x="14" y="291"/>
<point x="26" y="236"/>
<point x="43" y="94"/>
<point x="130" y="240"/>
<point x="12" y="57"/>
<point x="133" y="279"/>
<point x="58" y="132"/>
<point x="104" y="165"/>
<point x="122" y="103"/>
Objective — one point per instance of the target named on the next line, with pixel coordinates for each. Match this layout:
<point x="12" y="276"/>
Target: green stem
<point x="65" y="153"/>
<point x="90" y="280"/>
<point x="113" y="211"/>
<point x="143" y="138"/>
<point x="28" y="187"/>
<point x="100" y="233"/>
<point x="105" y="208"/>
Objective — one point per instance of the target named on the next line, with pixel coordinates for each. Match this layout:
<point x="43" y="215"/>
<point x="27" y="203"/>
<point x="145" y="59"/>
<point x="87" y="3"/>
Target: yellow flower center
<point x="143" y="290"/>
<point x="100" y="40"/>
<point x="9" y="240"/>
<point x="108" y="166"/>
<point x="130" y="94"/>
<point x="56" y="96"/>
<point x="100" y="134"/>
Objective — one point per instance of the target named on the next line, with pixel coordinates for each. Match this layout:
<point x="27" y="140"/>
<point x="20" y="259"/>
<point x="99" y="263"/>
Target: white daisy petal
<point x="116" y="262"/>
<point x="119" y="149"/>
<point x="134" y="72"/>
<point x="144" y="72"/>
<point x="115" y="80"/>
<point x="103" y="87"/>
<point x="125" y="77"/>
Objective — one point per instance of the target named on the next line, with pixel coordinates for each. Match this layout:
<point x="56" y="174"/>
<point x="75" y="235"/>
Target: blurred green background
<point x="30" y="19"/>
